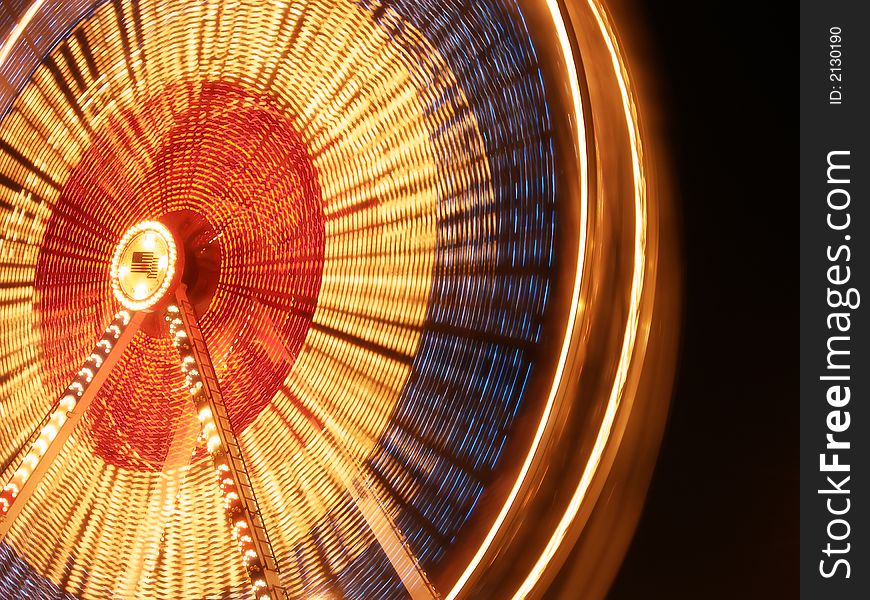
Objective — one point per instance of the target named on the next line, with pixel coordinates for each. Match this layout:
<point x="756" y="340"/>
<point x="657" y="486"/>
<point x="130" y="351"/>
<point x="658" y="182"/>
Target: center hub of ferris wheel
<point x="144" y="266"/>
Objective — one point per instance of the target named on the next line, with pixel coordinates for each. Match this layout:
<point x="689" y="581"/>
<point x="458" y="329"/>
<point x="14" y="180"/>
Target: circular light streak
<point x="580" y="127"/>
<point x="628" y="350"/>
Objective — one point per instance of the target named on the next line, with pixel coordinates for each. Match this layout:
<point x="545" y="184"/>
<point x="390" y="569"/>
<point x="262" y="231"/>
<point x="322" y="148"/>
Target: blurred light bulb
<point x="49" y="431"/>
<point x="67" y="403"/>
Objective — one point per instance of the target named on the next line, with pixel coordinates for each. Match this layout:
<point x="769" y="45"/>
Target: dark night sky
<point x="721" y="519"/>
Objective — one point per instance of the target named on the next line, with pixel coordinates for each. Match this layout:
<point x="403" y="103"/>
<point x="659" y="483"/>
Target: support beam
<point x="65" y="416"/>
<point x="383" y="527"/>
<point x="242" y="509"/>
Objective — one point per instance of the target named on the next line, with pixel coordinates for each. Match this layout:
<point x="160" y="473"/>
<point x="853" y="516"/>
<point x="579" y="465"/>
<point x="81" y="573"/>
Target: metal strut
<point x="241" y="504"/>
<point x="65" y="415"/>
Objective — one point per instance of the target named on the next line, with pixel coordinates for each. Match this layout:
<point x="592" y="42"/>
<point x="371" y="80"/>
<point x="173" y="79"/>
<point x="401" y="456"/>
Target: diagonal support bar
<point x="242" y="509"/>
<point x="382" y="526"/>
<point x="65" y="416"/>
<point x="386" y="532"/>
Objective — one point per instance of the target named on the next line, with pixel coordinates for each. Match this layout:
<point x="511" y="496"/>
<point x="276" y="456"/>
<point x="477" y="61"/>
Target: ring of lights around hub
<point x="143" y="265"/>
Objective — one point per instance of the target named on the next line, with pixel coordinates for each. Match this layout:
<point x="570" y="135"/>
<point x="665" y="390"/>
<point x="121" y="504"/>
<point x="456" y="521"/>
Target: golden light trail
<point x="584" y="182"/>
<point x="18" y="29"/>
<point x="628" y="352"/>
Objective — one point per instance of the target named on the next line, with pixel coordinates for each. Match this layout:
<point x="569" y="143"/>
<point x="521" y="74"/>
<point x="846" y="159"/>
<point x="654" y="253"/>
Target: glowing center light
<point x="143" y="266"/>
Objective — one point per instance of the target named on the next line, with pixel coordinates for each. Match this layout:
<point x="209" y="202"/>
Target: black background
<point x="721" y="519"/>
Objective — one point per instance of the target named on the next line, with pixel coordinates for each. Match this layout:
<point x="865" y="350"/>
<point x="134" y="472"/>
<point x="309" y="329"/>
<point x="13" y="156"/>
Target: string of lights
<point x="66" y="412"/>
<point x="205" y="403"/>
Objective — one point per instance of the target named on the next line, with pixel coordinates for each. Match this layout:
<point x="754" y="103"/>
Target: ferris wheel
<point x="326" y="298"/>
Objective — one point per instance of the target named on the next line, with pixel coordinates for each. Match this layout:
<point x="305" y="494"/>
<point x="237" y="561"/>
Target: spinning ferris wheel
<point x="325" y="298"/>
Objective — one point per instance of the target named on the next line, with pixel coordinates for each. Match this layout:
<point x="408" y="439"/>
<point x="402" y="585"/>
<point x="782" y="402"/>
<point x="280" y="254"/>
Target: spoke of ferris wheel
<point x="242" y="509"/>
<point x="351" y="473"/>
<point x="383" y="527"/>
<point x="61" y="421"/>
